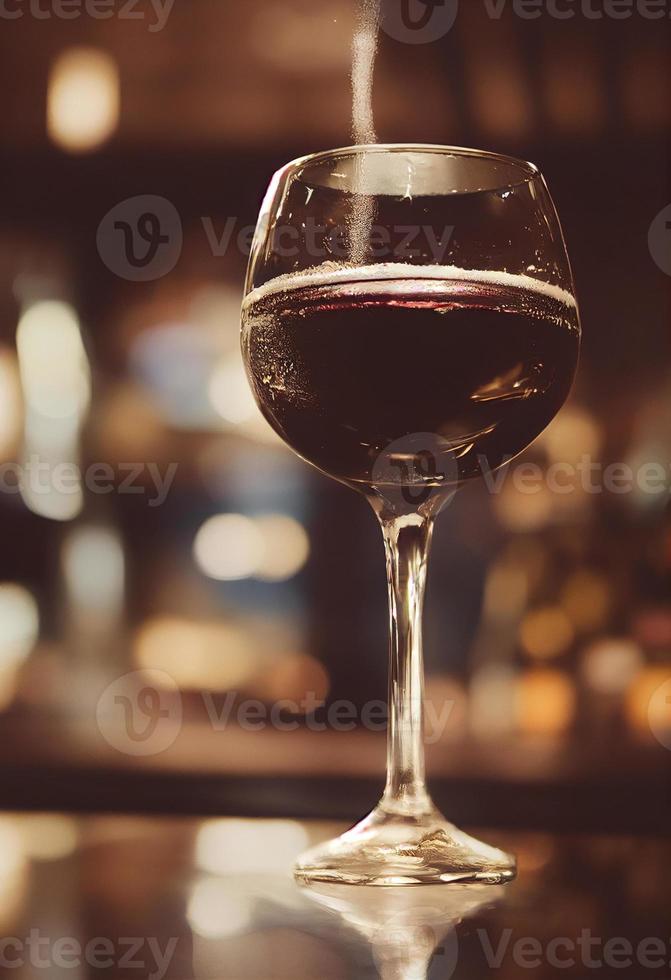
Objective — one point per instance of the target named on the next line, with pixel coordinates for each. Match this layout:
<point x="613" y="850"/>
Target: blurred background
<point x="150" y="520"/>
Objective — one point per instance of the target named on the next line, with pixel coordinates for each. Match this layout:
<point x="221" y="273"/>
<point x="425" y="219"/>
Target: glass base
<point x="389" y="848"/>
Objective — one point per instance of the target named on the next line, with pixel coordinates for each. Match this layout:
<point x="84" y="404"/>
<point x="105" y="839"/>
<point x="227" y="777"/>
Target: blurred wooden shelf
<point x="52" y="763"/>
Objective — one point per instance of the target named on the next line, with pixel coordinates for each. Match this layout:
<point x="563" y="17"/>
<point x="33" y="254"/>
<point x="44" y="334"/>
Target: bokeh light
<point x="214" y="911"/>
<point x="56" y="383"/>
<point x="230" y="393"/>
<point x="19" y="628"/>
<point x="83" y="99"/>
<point x="13" y="870"/>
<point x="611" y="663"/>
<point x="523" y="511"/>
<point x="11" y="406"/>
<point x="572" y="434"/>
<point x="545" y="702"/>
<point x="54" y="368"/>
<point x="48" y="836"/>
<point x="492" y="700"/>
<point x="506" y="590"/>
<point x="546" y="632"/>
<point x="19" y="623"/>
<point x="272" y="547"/>
<point x="231" y="846"/>
<point x="229" y="547"/>
<point x="196" y="654"/>
<point x="285" y="547"/>
<point x="586" y="599"/>
<point x="292" y="677"/>
<point x="93" y="567"/>
<point x="643" y="709"/>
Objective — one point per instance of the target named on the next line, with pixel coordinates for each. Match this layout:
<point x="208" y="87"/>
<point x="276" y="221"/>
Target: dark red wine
<point x="344" y="367"/>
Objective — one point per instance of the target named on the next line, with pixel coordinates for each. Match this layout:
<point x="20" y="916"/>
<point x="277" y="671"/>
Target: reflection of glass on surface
<point x="405" y="926"/>
<point x="213" y="911"/>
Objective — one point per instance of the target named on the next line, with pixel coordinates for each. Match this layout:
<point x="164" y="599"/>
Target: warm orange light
<point x="572" y="434"/>
<point x="11" y="408"/>
<point x="586" y="600"/>
<point x="523" y="511"/>
<point x="648" y="702"/>
<point x="285" y="547"/>
<point x="296" y="677"/>
<point x="546" y="632"/>
<point x="197" y="655"/>
<point x="506" y="590"/>
<point x="545" y="702"/>
<point x="492" y="700"/>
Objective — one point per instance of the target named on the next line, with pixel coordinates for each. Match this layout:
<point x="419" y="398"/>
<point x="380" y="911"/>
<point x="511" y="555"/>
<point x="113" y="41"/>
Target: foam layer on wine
<point x="428" y="279"/>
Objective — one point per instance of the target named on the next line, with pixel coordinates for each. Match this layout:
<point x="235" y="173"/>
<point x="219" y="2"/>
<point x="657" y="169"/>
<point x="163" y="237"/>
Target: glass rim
<point x="529" y="172"/>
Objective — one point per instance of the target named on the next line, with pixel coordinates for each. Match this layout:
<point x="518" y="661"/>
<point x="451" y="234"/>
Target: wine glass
<point x="409" y="323"/>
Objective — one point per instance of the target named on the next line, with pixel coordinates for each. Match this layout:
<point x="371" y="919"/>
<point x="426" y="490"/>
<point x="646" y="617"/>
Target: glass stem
<point x="407" y="540"/>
